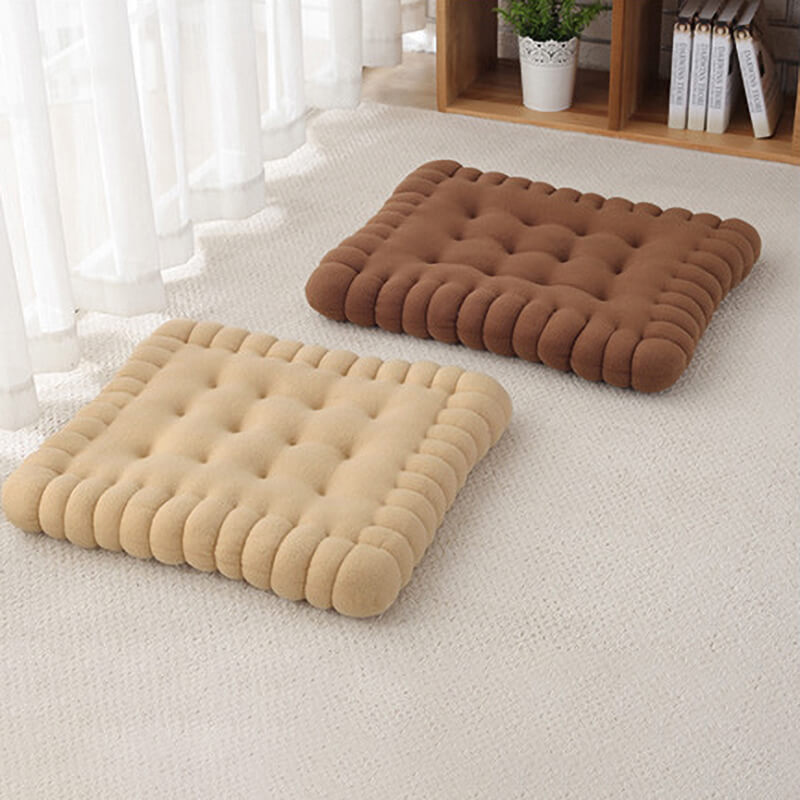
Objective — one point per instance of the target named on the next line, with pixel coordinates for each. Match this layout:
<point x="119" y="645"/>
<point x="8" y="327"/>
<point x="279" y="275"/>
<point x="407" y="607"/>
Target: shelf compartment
<point x="497" y="93"/>
<point x="649" y="124"/>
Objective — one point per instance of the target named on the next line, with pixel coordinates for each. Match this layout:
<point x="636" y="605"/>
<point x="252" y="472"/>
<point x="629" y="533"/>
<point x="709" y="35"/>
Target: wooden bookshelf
<point x="628" y="101"/>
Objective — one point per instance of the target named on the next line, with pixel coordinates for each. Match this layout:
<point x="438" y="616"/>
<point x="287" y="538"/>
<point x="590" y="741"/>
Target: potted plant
<point x="548" y="47"/>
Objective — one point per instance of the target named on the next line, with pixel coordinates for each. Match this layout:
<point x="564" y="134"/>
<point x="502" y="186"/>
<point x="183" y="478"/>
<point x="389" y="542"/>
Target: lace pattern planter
<point x="548" y="73"/>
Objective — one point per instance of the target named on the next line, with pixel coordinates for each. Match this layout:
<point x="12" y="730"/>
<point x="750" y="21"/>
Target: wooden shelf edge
<point x="557" y="120"/>
<point x="639" y="132"/>
<point x="729" y="144"/>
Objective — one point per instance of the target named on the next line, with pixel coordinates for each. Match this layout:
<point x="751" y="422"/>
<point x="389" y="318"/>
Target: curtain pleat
<point x="414" y="14"/>
<point x="18" y="403"/>
<point x="383" y="33"/>
<point x="124" y="122"/>
<point x="333" y="54"/>
<point x="123" y="278"/>
<point x="282" y="102"/>
<point x="44" y="295"/>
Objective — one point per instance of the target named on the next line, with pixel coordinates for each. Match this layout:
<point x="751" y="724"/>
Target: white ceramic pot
<point x="548" y="73"/>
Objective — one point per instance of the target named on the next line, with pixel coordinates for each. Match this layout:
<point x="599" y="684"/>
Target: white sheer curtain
<point x="123" y="122"/>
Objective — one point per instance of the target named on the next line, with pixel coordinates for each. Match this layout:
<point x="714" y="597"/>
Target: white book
<point x="759" y="75"/>
<point x="701" y="66"/>
<point x="681" y="63"/>
<point x="724" y="81"/>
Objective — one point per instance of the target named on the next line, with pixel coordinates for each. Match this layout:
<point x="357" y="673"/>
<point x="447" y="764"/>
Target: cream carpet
<point x="610" y="609"/>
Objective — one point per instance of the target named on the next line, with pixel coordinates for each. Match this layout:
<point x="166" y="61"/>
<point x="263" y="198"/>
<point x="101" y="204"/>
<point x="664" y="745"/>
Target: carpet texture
<point x="609" y="610"/>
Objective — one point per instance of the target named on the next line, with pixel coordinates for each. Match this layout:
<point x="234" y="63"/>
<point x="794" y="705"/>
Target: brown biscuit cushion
<point x="315" y="473"/>
<point x="609" y="289"/>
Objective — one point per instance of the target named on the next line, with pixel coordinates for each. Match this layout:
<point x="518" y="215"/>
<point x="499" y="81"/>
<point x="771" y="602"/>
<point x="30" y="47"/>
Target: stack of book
<point x="718" y="46"/>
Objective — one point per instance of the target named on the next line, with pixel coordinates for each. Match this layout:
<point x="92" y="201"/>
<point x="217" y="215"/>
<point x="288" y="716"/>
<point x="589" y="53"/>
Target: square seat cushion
<point x="609" y="289"/>
<point x="317" y="474"/>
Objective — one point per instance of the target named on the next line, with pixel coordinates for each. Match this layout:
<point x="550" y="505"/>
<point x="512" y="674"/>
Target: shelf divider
<point x="466" y="45"/>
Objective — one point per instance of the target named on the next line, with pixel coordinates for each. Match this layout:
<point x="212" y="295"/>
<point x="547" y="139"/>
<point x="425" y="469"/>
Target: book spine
<point x="698" y="93"/>
<point x="720" y="81"/>
<point x="751" y="77"/>
<point x="680" y="71"/>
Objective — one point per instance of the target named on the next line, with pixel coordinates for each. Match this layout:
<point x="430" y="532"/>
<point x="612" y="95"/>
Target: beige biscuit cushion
<point x="314" y="473"/>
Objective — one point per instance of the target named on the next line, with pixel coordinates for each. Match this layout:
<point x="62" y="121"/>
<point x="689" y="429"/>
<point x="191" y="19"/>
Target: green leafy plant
<point x="543" y="20"/>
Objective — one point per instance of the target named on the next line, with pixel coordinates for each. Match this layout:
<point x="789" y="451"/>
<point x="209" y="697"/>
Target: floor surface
<point x="610" y="609"/>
